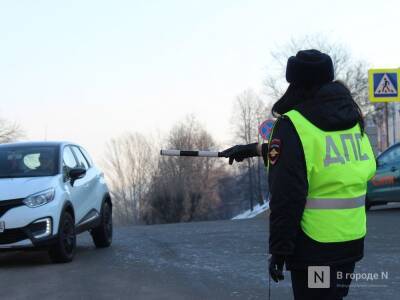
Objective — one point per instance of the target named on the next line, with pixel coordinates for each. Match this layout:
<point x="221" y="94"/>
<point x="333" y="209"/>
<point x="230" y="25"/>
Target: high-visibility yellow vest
<point x="339" y="164"/>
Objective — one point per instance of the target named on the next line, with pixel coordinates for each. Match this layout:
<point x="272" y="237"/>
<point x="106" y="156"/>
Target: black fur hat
<point x="309" y="67"/>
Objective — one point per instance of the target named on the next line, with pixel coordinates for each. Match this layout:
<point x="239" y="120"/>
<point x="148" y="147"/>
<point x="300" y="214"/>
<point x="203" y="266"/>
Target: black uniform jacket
<point x="331" y="109"/>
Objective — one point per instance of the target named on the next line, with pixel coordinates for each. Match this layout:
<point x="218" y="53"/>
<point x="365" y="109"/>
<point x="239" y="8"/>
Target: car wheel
<point x="102" y="234"/>
<point x="64" y="249"/>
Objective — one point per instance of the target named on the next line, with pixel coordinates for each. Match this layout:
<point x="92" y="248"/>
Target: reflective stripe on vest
<point x="335" y="203"/>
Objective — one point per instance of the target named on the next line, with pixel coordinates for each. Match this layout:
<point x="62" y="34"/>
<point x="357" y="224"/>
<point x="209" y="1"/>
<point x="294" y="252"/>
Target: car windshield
<point x="28" y="161"/>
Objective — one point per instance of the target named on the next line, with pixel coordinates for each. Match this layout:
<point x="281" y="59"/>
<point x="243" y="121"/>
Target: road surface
<point x="204" y="260"/>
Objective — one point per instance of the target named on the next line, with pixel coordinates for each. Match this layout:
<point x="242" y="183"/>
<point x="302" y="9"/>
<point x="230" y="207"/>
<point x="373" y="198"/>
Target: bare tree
<point x="9" y="131"/>
<point x="248" y="113"/>
<point x="353" y="72"/>
<point x="184" y="188"/>
<point x="130" y="161"/>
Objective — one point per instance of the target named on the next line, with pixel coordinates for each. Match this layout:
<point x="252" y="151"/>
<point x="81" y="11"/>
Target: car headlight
<point x="40" y="198"/>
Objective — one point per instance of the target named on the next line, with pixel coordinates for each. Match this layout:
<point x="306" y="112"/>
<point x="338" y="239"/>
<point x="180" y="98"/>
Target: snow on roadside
<point x="248" y="214"/>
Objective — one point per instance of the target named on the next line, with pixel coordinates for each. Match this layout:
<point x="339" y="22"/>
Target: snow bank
<point x="248" y="214"/>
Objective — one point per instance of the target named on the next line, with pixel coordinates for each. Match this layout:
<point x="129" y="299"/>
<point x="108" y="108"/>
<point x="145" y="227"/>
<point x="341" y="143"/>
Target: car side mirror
<point x="75" y="174"/>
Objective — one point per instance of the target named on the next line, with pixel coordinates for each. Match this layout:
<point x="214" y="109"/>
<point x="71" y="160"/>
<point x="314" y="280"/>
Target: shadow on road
<point x="31" y="258"/>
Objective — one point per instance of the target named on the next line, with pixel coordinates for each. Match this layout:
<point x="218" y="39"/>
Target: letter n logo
<point x="319" y="277"/>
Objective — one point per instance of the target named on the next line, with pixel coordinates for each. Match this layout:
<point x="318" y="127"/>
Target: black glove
<point x="276" y="263"/>
<point x="240" y="152"/>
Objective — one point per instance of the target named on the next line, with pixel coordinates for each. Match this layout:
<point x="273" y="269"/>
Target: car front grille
<point x="6" y="205"/>
<point x="12" y="236"/>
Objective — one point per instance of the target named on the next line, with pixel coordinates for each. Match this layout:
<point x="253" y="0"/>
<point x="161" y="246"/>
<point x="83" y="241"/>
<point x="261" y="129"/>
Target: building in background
<point x="394" y="122"/>
<point x="383" y="128"/>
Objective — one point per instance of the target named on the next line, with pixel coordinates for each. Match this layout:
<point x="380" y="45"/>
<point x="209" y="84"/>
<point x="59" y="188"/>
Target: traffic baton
<point x="196" y="153"/>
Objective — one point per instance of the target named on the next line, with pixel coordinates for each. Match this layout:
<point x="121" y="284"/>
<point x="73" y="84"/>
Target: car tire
<point x="63" y="250"/>
<point x="102" y="234"/>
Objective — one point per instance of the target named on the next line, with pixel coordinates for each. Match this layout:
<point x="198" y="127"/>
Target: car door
<point x="78" y="191"/>
<point x="385" y="186"/>
<point x="90" y="179"/>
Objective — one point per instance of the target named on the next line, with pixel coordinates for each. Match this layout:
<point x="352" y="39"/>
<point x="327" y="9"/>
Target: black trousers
<point x="339" y="288"/>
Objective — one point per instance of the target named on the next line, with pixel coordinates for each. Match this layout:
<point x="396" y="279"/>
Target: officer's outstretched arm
<point x="240" y="152"/>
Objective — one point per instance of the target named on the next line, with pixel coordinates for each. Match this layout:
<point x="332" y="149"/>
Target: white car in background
<point x="49" y="192"/>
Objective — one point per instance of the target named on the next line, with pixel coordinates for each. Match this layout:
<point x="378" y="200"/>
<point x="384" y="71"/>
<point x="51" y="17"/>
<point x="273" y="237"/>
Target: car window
<point x="87" y="156"/>
<point x="69" y="159"/>
<point x="28" y="161"/>
<point x="390" y="156"/>
<point x="82" y="163"/>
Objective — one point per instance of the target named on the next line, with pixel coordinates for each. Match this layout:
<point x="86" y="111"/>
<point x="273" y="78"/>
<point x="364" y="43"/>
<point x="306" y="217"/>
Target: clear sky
<point x="90" y="70"/>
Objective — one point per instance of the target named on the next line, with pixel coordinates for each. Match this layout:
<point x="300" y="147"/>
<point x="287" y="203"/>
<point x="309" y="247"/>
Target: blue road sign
<point x="265" y="129"/>
<point x="384" y="85"/>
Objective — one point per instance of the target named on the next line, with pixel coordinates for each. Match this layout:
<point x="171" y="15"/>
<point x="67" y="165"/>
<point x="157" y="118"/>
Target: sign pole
<point x="387" y="123"/>
<point x="394" y="122"/>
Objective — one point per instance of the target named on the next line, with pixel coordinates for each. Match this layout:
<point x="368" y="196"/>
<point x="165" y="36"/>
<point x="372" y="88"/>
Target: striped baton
<point x="191" y="153"/>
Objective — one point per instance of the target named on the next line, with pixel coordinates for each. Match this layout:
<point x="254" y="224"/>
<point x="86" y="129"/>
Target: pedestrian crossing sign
<point x="384" y="85"/>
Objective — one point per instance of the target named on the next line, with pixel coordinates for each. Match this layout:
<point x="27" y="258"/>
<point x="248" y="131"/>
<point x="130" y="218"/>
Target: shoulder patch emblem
<point x="274" y="151"/>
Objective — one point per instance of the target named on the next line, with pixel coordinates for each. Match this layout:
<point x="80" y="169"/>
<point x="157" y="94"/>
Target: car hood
<point x="16" y="188"/>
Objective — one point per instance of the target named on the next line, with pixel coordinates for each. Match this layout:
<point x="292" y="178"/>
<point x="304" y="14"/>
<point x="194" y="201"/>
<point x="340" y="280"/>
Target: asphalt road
<point x="205" y="260"/>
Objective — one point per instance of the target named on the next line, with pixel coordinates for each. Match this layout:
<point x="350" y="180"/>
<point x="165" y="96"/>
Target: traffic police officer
<point x="319" y="161"/>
